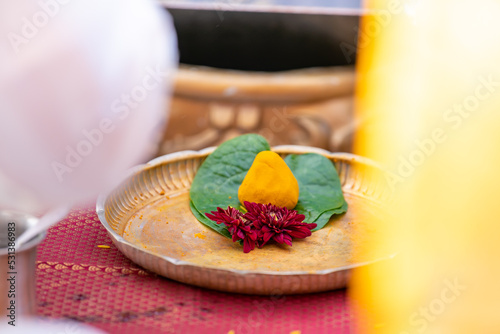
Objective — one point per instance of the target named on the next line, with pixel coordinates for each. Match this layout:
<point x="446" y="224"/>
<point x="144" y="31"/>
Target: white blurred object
<point x="48" y="326"/>
<point x="83" y="92"/>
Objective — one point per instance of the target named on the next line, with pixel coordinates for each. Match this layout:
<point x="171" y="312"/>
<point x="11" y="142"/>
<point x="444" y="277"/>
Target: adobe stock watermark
<point x="419" y="321"/>
<point x="121" y="107"/>
<point x="279" y="121"/>
<point x="11" y="272"/>
<point x="31" y="26"/>
<point x="453" y="118"/>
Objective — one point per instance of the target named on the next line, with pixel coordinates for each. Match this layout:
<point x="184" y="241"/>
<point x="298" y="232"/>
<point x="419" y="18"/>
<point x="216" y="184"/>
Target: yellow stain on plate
<point x="200" y="235"/>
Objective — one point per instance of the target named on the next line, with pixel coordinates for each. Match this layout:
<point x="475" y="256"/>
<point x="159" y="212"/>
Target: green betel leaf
<point x="324" y="218"/>
<point x="320" y="192"/>
<point x="213" y="225"/>
<point x="217" y="180"/>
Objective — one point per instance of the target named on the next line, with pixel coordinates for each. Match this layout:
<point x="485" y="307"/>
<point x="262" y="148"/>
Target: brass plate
<point x="149" y="219"/>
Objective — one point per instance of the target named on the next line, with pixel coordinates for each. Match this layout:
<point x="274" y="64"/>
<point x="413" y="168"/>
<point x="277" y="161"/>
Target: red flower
<point x="239" y="227"/>
<point x="279" y="224"/>
<point x="262" y="223"/>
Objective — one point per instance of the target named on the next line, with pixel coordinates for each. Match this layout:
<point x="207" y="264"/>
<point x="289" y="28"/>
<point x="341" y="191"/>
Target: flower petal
<point x="267" y="236"/>
<point x="300" y="233"/>
<point x="248" y="245"/>
<point x="287" y="239"/>
<point x="240" y="234"/>
<point x="279" y="238"/>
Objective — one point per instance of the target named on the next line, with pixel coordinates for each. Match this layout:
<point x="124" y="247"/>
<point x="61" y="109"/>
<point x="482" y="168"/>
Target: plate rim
<point x="176" y="156"/>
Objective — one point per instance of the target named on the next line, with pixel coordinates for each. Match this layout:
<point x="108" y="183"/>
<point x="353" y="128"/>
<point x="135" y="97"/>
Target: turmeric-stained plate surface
<point x="149" y="220"/>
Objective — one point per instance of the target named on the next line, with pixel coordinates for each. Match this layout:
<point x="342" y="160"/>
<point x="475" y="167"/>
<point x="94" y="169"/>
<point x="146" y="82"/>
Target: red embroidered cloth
<point x="102" y="288"/>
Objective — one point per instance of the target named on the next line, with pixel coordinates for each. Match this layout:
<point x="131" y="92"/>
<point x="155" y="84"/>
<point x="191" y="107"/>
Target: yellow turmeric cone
<point x="269" y="180"/>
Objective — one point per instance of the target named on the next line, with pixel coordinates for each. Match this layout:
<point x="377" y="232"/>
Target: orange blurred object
<point x="428" y="96"/>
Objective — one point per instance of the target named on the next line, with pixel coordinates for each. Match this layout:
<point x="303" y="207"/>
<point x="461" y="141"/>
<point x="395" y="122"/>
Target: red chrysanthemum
<point x="239" y="227"/>
<point x="277" y="223"/>
<point x="262" y="223"/>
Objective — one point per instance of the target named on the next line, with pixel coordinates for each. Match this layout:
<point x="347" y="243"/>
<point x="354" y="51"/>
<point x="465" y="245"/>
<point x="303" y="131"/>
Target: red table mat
<point x="101" y="287"/>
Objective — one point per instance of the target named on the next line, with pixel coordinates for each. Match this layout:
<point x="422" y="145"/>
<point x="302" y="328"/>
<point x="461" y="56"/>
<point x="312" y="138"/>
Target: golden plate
<point x="149" y="220"/>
